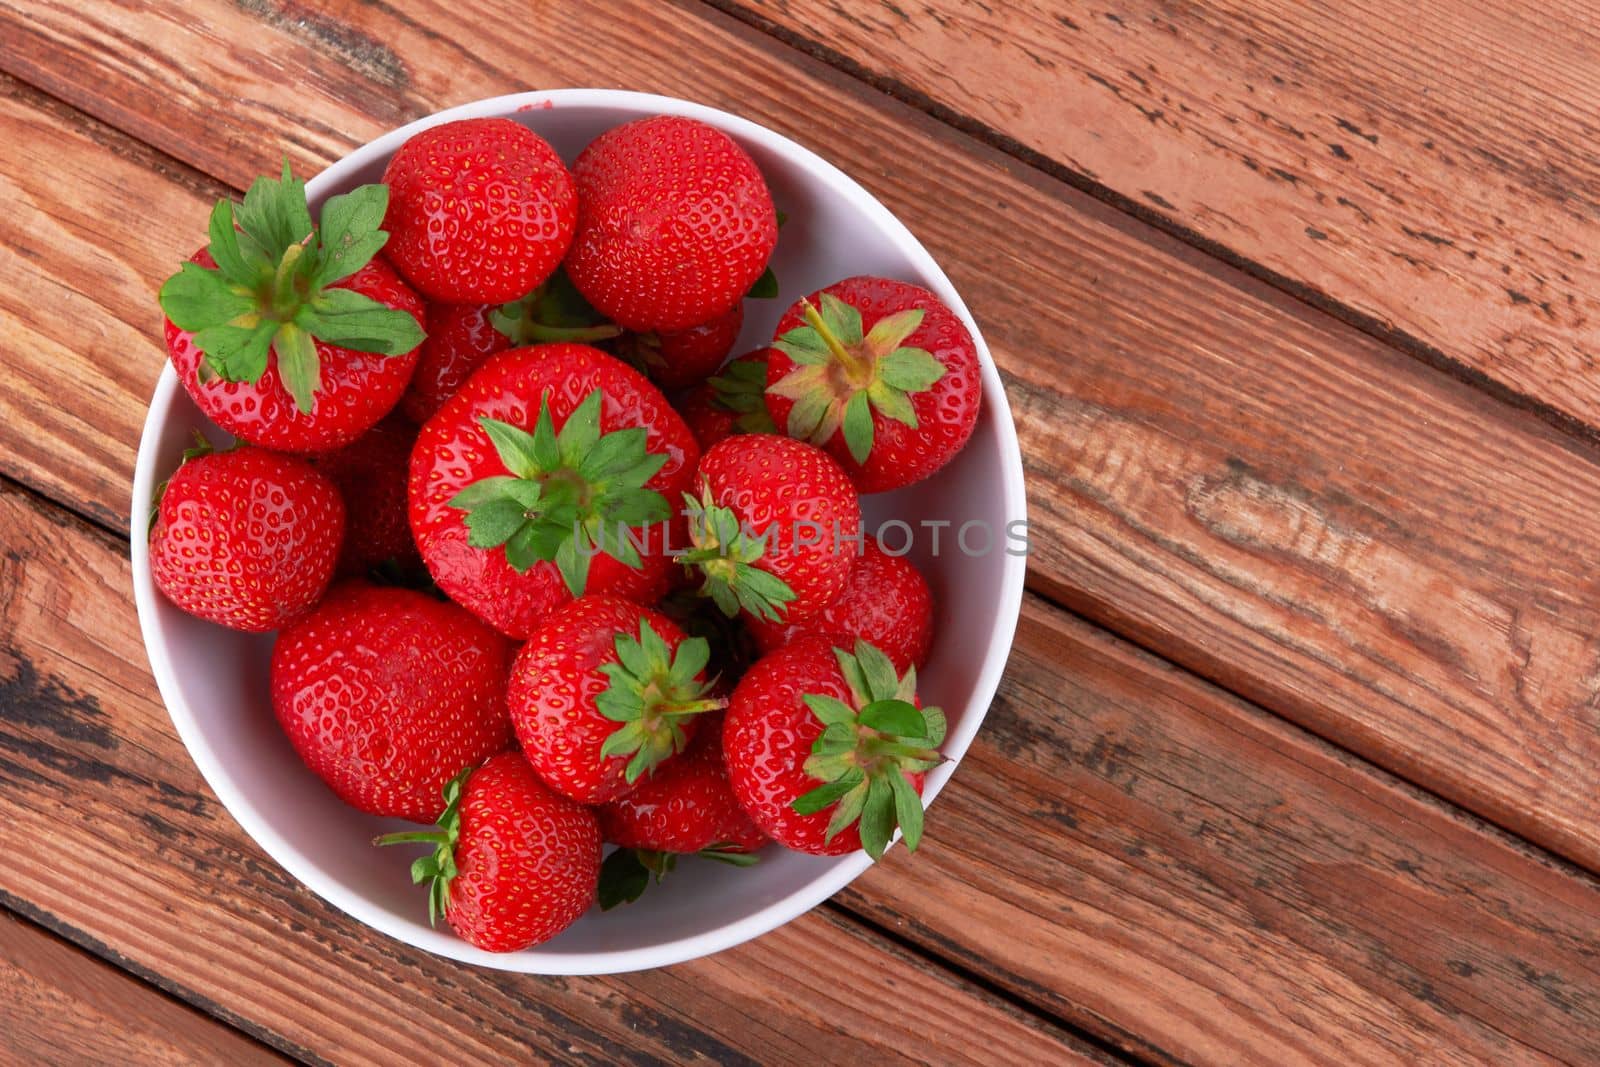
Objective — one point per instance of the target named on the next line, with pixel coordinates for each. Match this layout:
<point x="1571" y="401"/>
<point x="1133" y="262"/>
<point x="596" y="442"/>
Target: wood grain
<point x="1244" y="485"/>
<point x="64" y="1006"/>
<point x="144" y="864"/>
<point x="1179" y="873"/>
<point x="1430" y="172"/>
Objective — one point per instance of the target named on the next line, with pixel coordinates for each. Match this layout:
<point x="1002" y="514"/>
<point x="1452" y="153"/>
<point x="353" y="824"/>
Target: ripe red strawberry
<point x="290" y="337"/>
<point x="371" y="476"/>
<point x="675" y="224"/>
<point x="886" y="602"/>
<point x="731" y="402"/>
<point x="772" y="526"/>
<point x="514" y="864"/>
<point x="481" y="210"/>
<point x="681" y="358"/>
<point x="603" y="693"/>
<point x="881" y="374"/>
<point x="685" y="807"/>
<point x="388" y="693"/>
<point x="461" y="338"/>
<point x="545" y="457"/>
<point x="245" y="538"/>
<point x="812" y="728"/>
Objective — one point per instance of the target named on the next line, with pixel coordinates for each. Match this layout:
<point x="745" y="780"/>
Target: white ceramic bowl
<point x="214" y="681"/>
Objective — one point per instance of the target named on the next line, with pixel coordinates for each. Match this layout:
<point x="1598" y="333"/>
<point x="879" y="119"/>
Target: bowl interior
<point x="215" y="681"/>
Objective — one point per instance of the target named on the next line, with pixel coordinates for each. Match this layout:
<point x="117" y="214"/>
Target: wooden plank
<point x="1431" y="175"/>
<point x="1242" y="484"/>
<point x="1178" y="873"/>
<point x="143" y="861"/>
<point x="65" y="1006"/>
<point x="1209" y="884"/>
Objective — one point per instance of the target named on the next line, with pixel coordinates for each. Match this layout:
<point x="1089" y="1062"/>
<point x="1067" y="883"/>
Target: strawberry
<point x="461" y="337"/>
<point x="371" y="476"/>
<point x="685" y="807"/>
<point x="514" y="864"/>
<point x="245" y="538"/>
<point x="731" y="402"/>
<point x="603" y="692"/>
<point x="289" y="336"/>
<point x="511" y="523"/>
<point x="810" y="728"/>
<point x="481" y="210"/>
<point x="881" y="374"/>
<point x="770" y="526"/>
<point x="886" y="602"/>
<point x="678" y="359"/>
<point x="388" y="693"/>
<point x="675" y="224"/>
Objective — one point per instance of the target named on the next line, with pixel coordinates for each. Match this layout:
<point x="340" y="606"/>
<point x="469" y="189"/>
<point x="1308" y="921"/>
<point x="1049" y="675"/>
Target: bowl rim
<point x="542" y="959"/>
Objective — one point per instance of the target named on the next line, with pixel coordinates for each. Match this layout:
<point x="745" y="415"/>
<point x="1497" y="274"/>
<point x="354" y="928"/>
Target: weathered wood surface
<point x="1242" y="484"/>
<point x="1178" y="873"/>
<point x="1426" y="168"/>
<point x="143" y="861"/>
<point x="63" y="1006"/>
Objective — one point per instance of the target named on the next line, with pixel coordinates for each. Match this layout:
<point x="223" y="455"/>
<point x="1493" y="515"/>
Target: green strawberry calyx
<point x="740" y="389"/>
<point x="569" y="495"/>
<point x="845" y="377"/>
<point x="652" y="690"/>
<point x="555" y="311"/>
<point x="868" y="749"/>
<point x="725" y="554"/>
<point x="628" y="872"/>
<point x="273" y="291"/>
<point x="438" y="868"/>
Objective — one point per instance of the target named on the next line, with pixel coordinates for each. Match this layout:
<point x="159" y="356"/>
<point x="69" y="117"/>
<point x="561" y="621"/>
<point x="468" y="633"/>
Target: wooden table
<point x="1298" y="755"/>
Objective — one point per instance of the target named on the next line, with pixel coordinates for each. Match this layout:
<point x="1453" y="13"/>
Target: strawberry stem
<point x="854" y="368"/>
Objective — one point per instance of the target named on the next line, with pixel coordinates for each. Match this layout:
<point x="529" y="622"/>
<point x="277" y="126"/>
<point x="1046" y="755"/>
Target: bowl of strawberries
<point x="576" y="532"/>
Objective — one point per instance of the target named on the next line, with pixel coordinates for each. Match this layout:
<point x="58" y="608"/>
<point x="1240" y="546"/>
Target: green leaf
<point x="907" y="809"/>
<point x="632" y="655"/>
<point x="858" y="427"/>
<point x="624" y="740"/>
<point x="581" y="431"/>
<point x="842" y="320"/>
<point x="848" y="810"/>
<point x="836" y="738"/>
<point x="492" y="523"/>
<point x="352" y="233"/>
<point x="911" y="370"/>
<point x="355" y="321"/>
<point x="807" y="415"/>
<point x="829" y="710"/>
<point x="891" y="403"/>
<point x="878" y="670"/>
<point x="823" y="795"/>
<point x="765" y="288"/>
<point x="894" y="717"/>
<point x="546" y="453"/>
<point x="887" y="333"/>
<point x="762" y="593"/>
<point x="197" y="297"/>
<point x="237" y="353"/>
<point x="805" y="346"/>
<point x="877" y="817"/>
<point x="514" y="445"/>
<point x="721" y="854"/>
<point x="274" y="213"/>
<point x="613" y="454"/>
<point x="854" y="677"/>
<point x="573" y="562"/>
<point x="623" y="879"/>
<point x="236" y="266"/>
<point x="692" y="657"/>
<point x="298" y="365"/>
<point x="936" y="726"/>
